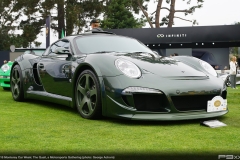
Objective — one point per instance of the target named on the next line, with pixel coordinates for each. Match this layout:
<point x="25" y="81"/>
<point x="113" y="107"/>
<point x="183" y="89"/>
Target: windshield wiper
<point x="104" y="51"/>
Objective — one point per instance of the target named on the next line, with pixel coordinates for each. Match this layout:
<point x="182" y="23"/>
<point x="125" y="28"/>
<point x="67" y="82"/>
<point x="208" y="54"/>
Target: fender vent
<point x="35" y="74"/>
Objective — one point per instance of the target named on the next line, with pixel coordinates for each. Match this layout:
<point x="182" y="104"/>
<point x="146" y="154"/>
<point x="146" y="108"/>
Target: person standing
<point x="233" y="71"/>
<point x="95" y="24"/>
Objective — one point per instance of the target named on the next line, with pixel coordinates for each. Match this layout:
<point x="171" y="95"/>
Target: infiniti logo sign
<point x="160" y="35"/>
<point x="171" y="35"/>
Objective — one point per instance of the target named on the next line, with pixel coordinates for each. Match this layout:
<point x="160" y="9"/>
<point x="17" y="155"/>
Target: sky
<point x="213" y="12"/>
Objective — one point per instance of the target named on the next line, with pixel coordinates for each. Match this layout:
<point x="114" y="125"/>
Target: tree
<point x="168" y="19"/>
<point x="68" y="15"/>
<point x="29" y="32"/>
<point x="118" y="15"/>
<point x="71" y="15"/>
<point x="31" y="23"/>
<point x="79" y="14"/>
<point x="8" y="20"/>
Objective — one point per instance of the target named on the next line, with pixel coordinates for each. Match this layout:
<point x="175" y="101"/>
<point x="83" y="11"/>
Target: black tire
<point x="227" y="81"/>
<point x="88" y="95"/>
<point x="16" y="80"/>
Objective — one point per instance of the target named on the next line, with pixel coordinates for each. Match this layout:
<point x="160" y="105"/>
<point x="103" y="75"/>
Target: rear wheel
<point x="88" y="96"/>
<point x="16" y="81"/>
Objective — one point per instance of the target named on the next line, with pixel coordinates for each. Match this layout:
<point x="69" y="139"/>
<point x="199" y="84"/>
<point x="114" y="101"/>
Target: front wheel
<point x="88" y="95"/>
<point x="16" y="81"/>
<point x="227" y="81"/>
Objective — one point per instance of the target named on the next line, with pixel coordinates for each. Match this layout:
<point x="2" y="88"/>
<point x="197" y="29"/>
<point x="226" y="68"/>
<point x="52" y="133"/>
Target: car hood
<point x="162" y="66"/>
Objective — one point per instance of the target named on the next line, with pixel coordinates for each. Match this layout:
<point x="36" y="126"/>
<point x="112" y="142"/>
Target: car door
<point x="55" y="70"/>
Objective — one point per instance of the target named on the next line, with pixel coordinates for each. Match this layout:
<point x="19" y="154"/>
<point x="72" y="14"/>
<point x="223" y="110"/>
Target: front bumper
<point x="176" y="100"/>
<point x="5" y="81"/>
<point x="173" y="116"/>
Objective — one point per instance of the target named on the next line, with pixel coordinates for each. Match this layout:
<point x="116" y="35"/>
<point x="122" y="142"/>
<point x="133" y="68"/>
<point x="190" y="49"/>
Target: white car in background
<point x="226" y="77"/>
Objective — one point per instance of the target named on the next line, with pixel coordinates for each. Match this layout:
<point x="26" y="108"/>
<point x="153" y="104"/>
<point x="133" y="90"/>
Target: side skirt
<point x="49" y="97"/>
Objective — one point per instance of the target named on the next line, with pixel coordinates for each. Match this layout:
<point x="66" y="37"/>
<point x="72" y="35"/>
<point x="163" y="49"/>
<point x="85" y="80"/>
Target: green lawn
<point x="42" y="128"/>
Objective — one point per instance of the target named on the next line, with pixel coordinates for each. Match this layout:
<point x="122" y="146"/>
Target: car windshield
<point x="35" y="52"/>
<point x="109" y="43"/>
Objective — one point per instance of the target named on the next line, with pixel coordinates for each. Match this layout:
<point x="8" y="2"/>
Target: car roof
<point x="90" y="33"/>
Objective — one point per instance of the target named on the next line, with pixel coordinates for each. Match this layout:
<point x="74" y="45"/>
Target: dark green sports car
<point x="103" y="74"/>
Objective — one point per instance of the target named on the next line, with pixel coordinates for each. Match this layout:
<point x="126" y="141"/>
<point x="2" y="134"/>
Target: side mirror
<point x="62" y="50"/>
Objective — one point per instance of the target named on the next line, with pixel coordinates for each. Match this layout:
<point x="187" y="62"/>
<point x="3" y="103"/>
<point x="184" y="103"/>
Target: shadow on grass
<point x="6" y="90"/>
<point x="50" y="105"/>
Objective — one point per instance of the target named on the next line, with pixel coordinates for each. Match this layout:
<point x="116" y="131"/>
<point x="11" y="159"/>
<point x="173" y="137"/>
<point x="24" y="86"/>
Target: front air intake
<point x="191" y="102"/>
<point x="151" y="102"/>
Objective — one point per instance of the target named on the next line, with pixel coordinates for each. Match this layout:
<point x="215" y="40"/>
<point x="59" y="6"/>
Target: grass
<point x="42" y="128"/>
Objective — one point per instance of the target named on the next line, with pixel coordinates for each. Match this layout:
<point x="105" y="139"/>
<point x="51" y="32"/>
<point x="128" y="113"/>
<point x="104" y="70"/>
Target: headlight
<point x="128" y="68"/>
<point x="5" y="67"/>
<point x="208" y="68"/>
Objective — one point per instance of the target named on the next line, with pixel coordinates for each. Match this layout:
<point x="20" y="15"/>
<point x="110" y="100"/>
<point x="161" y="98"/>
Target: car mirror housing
<point x="62" y="50"/>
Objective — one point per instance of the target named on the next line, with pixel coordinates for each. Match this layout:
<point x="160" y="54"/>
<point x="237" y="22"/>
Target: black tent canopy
<point x="185" y="37"/>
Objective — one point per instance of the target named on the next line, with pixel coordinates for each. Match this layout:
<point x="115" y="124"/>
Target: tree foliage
<point x="80" y="13"/>
<point x="73" y="16"/>
<point x="7" y="25"/>
<point x="70" y="15"/>
<point x="118" y="15"/>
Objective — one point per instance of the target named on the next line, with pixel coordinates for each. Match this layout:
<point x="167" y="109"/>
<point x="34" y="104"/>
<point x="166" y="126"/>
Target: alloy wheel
<point x="87" y="95"/>
<point x="16" y="83"/>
